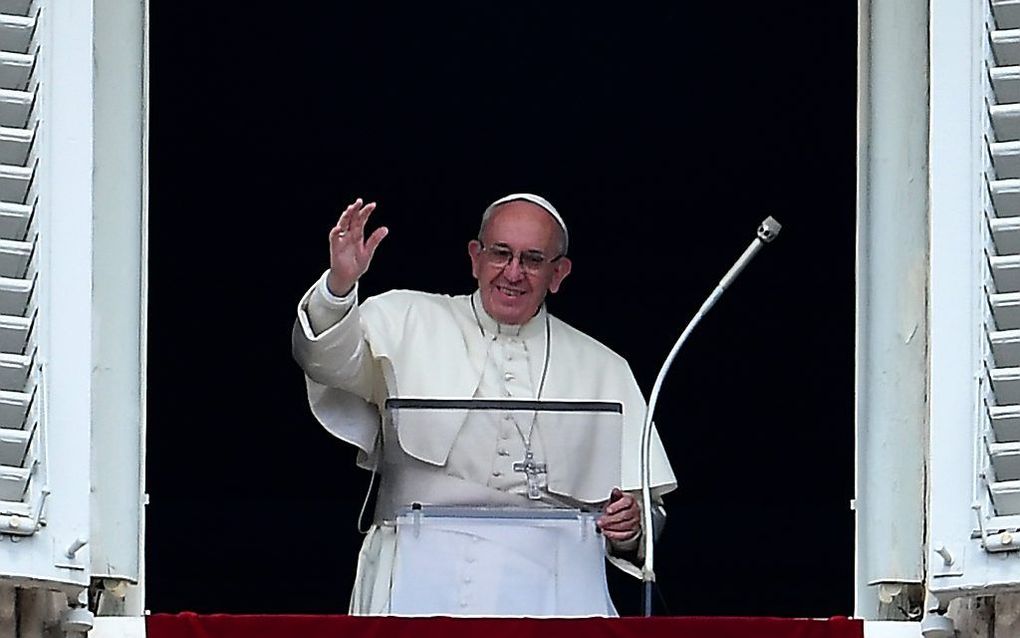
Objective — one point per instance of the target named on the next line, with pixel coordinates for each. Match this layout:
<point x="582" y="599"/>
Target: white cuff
<point x="334" y="300"/>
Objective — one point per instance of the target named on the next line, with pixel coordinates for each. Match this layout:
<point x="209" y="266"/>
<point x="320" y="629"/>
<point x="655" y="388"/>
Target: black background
<point x="663" y="132"/>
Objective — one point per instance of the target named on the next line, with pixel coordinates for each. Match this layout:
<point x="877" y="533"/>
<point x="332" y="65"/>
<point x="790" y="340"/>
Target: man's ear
<point x="475" y="252"/>
<point x="560" y="271"/>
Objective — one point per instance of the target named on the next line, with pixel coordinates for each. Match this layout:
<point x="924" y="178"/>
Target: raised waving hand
<point x="349" y="252"/>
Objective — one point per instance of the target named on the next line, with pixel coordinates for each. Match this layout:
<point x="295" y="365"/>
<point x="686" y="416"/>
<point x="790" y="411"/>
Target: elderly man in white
<point x="499" y="342"/>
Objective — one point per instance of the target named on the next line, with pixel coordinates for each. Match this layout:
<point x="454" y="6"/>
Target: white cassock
<point x="413" y="344"/>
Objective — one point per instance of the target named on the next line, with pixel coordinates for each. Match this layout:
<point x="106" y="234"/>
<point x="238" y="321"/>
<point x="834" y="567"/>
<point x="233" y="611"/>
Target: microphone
<point x="767" y="231"/>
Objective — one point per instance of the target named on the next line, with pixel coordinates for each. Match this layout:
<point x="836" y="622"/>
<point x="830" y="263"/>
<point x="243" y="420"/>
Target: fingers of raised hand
<point x="359" y="219"/>
<point x="373" y="240"/>
<point x="344" y="222"/>
<point x="351" y="224"/>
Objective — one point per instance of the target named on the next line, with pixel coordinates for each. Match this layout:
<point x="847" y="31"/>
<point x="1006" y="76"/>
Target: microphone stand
<point x="767" y="231"/>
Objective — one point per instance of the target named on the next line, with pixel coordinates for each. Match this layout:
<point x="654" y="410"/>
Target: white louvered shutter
<point x="22" y="490"/>
<point x="974" y="496"/>
<point x="45" y="286"/>
<point x="997" y="506"/>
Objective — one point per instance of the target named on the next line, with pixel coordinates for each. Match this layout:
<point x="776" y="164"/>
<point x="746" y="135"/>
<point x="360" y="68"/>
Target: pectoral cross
<point x="532" y="470"/>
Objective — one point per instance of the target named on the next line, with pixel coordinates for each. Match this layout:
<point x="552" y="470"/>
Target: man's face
<point x="512" y="293"/>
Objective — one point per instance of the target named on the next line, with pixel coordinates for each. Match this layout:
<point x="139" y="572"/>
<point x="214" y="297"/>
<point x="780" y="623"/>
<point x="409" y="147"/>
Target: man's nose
<point x="513" y="270"/>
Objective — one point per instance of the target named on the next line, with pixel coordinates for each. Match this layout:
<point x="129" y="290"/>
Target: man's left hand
<point x="621" y="517"/>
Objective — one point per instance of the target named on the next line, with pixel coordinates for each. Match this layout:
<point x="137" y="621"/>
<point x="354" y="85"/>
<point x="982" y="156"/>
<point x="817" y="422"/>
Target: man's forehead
<point x="517" y="221"/>
<point x="523" y="208"/>
<point x="528" y="202"/>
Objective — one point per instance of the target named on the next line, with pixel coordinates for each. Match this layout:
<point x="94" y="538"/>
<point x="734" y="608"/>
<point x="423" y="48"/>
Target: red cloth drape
<point x="188" y="625"/>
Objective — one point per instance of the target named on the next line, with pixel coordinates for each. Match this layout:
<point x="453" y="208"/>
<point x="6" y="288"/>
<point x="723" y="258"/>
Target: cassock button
<point x="503" y="452"/>
<point x="467" y="579"/>
<point x="509" y="376"/>
<point x="497" y="473"/>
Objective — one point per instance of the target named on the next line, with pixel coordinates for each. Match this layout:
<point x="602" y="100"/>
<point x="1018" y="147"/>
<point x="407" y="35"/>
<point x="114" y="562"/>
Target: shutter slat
<point x="1006" y="158"/>
<point x="15" y="107"/>
<point x="1007" y="13"/>
<point x="16" y="32"/>
<point x="14" y="295"/>
<point x="1006" y="235"/>
<point x="14" y="408"/>
<point x="14" y="145"/>
<point x="13" y="482"/>
<point x="1005" y="121"/>
<point x="1006" y="384"/>
<point x="1006" y="197"/>
<point x="1005" y="310"/>
<point x="14" y="371"/>
<point x="1006" y="272"/>
<point x="14" y="446"/>
<point x="14" y="219"/>
<point x="14" y="182"/>
<point x="1005" y="460"/>
<point x="1005" y="420"/>
<point x="14" y="333"/>
<point x="16" y="7"/>
<point x="15" y="69"/>
<point x="1006" y="81"/>
<point x="1006" y="45"/>
<point x="1005" y="497"/>
<point x="14" y="257"/>
<point x="1005" y="347"/>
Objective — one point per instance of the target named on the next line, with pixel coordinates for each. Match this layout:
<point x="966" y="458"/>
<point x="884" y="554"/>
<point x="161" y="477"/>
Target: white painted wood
<point x="134" y="627"/>
<point x="118" y="290"/>
<point x="891" y="260"/>
<point x="962" y="253"/>
<point x="891" y="629"/>
<point x="45" y="286"/>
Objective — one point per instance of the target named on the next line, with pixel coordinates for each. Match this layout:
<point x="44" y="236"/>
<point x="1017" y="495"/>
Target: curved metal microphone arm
<point x="767" y="231"/>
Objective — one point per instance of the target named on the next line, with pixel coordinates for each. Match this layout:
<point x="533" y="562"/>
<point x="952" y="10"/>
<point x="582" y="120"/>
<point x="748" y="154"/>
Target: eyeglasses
<point x="531" y="261"/>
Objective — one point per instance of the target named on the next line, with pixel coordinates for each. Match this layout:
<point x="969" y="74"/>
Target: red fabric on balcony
<point x="188" y="625"/>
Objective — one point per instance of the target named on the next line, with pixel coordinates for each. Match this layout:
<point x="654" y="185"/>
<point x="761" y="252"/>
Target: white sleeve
<point x="324" y="309"/>
<point x="329" y="344"/>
